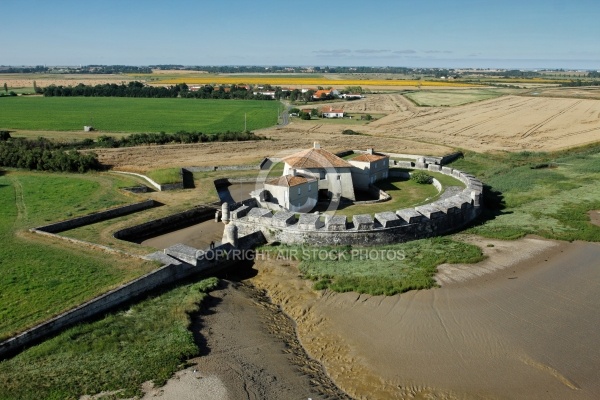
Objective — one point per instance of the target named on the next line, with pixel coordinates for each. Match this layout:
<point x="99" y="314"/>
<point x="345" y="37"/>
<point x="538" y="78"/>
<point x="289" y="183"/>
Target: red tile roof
<point x="368" y="157"/>
<point x="315" y="158"/>
<point x="321" y="92"/>
<point x="289" y="181"/>
<point x="331" y="110"/>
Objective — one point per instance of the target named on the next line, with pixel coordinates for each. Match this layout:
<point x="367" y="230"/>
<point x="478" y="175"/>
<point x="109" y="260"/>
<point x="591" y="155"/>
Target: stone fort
<point x="279" y="209"/>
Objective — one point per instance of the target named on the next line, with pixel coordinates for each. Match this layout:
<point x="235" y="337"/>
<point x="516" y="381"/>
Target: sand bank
<point x="523" y="330"/>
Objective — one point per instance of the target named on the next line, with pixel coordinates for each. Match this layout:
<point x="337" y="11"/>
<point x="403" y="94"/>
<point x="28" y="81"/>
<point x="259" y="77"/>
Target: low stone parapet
<point x="258" y="214"/>
<point x="388" y="219"/>
<point x="363" y="222"/>
<point x="309" y="222"/>
<point x="239" y="212"/>
<point x="430" y="211"/>
<point x="335" y="223"/>
<point x="410" y="215"/>
<point x="183" y="252"/>
<point x="283" y="219"/>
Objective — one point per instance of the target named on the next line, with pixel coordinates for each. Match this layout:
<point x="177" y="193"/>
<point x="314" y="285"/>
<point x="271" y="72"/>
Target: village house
<point x="268" y="93"/>
<point x="325" y="93"/>
<point x="330" y="112"/>
<point x="351" y="96"/>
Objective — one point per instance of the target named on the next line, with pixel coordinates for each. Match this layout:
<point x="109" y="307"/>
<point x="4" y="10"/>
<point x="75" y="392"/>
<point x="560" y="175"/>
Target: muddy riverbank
<point x="524" y="330"/>
<point x="516" y="326"/>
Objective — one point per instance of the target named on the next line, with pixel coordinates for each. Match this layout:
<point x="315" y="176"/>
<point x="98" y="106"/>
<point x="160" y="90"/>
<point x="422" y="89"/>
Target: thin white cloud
<point x="407" y="51"/>
<point x="333" y="52"/>
<point x="371" y="51"/>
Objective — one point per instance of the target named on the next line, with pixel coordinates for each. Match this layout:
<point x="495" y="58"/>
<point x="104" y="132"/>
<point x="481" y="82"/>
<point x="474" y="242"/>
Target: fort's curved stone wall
<point x="436" y="218"/>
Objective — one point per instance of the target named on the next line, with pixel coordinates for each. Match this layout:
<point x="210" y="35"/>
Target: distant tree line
<point x="131" y="89"/>
<point x="230" y="92"/>
<point x="139" y="89"/>
<point x="579" y="82"/>
<point x="139" y="139"/>
<point x="43" y="155"/>
<point x="22" y="70"/>
<point x="86" y="69"/>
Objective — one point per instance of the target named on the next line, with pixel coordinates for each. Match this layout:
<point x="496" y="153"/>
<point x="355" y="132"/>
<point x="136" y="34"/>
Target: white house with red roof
<point x="368" y="168"/>
<point x="325" y="93"/>
<point x="330" y="112"/>
<point x="292" y="192"/>
<point x="332" y="172"/>
<point x="315" y="173"/>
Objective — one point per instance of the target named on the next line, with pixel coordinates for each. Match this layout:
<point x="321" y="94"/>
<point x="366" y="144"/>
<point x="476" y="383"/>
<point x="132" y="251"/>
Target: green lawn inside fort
<point x="404" y="193"/>
<point x="112" y="114"/>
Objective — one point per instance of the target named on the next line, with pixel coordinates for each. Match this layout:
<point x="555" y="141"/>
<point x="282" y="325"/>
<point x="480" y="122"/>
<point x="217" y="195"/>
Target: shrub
<point x="421" y="177"/>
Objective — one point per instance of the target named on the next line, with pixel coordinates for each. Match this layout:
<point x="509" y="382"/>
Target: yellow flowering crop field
<point x="294" y="81"/>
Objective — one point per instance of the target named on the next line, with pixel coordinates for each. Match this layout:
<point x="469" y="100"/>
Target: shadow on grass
<point x="493" y="205"/>
<point x="188" y="179"/>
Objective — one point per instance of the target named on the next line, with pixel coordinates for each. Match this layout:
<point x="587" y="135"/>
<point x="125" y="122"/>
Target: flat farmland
<point x="451" y="98"/>
<point x="111" y="114"/>
<point x="504" y="123"/>
<point x="508" y="122"/>
<point x="298" y="80"/>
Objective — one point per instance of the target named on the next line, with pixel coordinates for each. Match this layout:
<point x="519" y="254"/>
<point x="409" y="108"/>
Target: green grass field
<point x="547" y="194"/>
<point x="404" y="192"/>
<point x="147" y="342"/>
<point x="41" y="277"/>
<point x="451" y="98"/>
<point x="112" y="114"/>
<point x="380" y="270"/>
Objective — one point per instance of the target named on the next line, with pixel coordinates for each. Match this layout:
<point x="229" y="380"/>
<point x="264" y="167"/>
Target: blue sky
<point x="425" y="33"/>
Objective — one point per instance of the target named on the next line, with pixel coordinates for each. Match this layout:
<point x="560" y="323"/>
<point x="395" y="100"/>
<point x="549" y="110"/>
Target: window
<point x="299" y="191"/>
<point x="309" y="187"/>
<point x="322" y="174"/>
<point x="339" y="177"/>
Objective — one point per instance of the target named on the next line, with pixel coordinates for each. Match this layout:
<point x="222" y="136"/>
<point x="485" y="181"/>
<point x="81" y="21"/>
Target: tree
<point x="5" y="87"/>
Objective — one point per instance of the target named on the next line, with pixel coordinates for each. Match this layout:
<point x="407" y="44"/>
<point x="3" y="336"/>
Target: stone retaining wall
<point x="171" y="272"/>
<point x="168" y="223"/>
<point x="96" y="217"/>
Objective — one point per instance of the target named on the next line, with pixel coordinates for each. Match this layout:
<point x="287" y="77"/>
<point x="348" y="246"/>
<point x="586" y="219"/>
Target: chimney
<point x="370" y="150"/>
<point x="316" y="145"/>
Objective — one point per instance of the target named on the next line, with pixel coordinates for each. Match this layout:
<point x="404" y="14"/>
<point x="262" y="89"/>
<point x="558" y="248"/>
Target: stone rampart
<point x="392" y="226"/>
